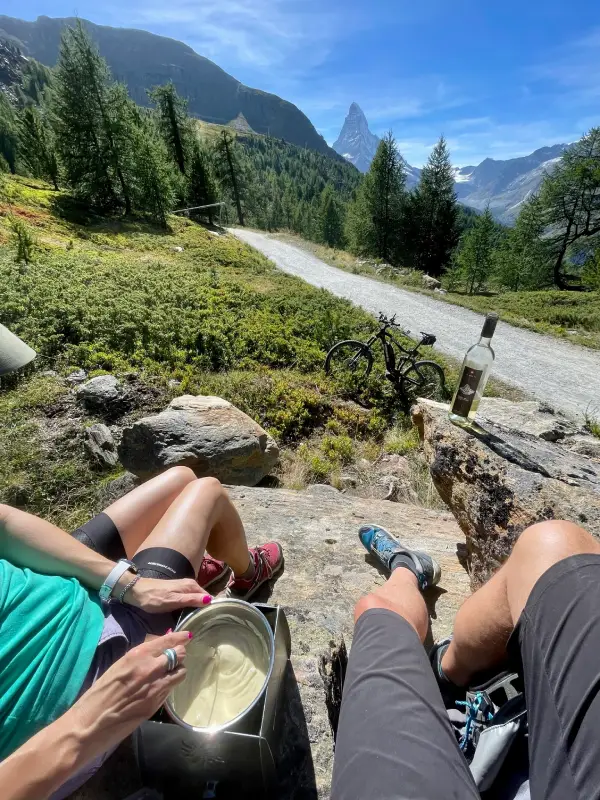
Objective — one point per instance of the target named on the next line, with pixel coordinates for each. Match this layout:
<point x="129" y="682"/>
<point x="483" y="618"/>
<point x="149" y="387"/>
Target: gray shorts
<point x="124" y="628"/>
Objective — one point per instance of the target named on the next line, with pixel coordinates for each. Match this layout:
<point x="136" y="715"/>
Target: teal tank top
<point x="49" y="630"/>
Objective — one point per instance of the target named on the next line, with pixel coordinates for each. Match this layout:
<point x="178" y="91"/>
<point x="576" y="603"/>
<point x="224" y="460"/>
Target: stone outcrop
<point x="207" y="434"/>
<point x="326" y="572"/>
<point x="103" y="395"/>
<point x="100" y="446"/>
<point x="514" y="469"/>
<point x="430" y="283"/>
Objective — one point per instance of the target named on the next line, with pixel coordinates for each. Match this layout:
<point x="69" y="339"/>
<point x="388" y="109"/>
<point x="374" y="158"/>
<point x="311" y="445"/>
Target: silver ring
<point x="172" y="659"/>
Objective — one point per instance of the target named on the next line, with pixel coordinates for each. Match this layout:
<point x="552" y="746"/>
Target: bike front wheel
<point x="424" y="379"/>
<point x="349" y="359"/>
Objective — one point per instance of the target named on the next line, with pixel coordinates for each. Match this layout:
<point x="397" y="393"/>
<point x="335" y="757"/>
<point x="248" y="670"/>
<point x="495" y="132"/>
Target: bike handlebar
<point x="392" y="323"/>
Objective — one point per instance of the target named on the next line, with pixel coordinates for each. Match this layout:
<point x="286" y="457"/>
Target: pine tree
<point x="37" y="144"/>
<point x="374" y="217"/>
<point x="202" y="190"/>
<point x="9" y="138"/>
<point x="523" y="262"/>
<point x="331" y="227"/>
<point x="475" y="257"/>
<point x="570" y="199"/>
<point x="173" y="122"/>
<point x="433" y="223"/>
<point x="92" y="131"/>
<point x="229" y="171"/>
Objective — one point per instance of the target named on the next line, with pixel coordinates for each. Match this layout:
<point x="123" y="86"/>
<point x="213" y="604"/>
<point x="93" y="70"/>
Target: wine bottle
<point x="474" y="374"/>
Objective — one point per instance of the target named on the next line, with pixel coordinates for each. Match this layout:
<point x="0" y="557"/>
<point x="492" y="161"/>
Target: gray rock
<point x="348" y="481"/>
<point x="115" y="489"/>
<point x="207" y="434"/>
<point x="77" y="377"/>
<point x="584" y="445"/>
<point x="321" y="489"/>
<point x="429" y="282"/>
<point x="178" y="249"/>
<point x="320" y="605"/>
<point x="529" y="416"/>
<point x="49" y="373"/>
<point x="497" y="481"/>
<point x="100" y="446"/>
<point x="102" y="395"/>
<point x="394" y="464"/>
<point x="440" y="291"/>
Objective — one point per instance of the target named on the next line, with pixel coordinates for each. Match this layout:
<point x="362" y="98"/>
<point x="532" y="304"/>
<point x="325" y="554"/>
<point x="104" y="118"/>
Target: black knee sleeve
<point x="101" y="535"/>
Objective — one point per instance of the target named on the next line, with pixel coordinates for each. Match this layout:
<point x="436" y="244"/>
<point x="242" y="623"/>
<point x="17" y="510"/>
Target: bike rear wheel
<point x="349" y="359"/>
<point x="424" y="379"/>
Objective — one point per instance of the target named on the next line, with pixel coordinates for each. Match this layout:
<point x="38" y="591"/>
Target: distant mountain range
<point x="504" y="185"/>
<point x="142" y="60"/>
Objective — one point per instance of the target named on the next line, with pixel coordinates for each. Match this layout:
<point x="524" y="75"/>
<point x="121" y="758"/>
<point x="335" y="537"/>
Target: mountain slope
<point x="142" y="60"/>
<point x="505" y="184"/>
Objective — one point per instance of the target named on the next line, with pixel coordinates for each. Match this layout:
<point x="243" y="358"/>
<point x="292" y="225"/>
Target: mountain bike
<point x="411" y="378"/>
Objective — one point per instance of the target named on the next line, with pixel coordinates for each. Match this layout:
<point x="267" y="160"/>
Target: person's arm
<point x="131" y="691"/>
<point x="28" y="541"/>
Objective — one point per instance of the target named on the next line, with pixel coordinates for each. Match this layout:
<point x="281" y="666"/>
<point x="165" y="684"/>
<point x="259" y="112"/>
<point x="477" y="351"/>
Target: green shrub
<point x="23" y="240"/>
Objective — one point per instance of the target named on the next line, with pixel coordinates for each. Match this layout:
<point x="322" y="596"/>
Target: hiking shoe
<point x="450" y="691"/>
<point x="392" y="554"/>
<point x="211" y="571"/>
<point x="268" y="561"/>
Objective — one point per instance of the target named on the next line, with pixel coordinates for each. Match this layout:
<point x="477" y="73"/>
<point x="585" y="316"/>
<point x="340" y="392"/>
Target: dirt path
<point x="564" y="375"/>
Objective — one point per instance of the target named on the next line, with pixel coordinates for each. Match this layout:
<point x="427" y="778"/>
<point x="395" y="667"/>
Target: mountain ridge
<point x="142" y="59"/>
<point x="501" y="184"/>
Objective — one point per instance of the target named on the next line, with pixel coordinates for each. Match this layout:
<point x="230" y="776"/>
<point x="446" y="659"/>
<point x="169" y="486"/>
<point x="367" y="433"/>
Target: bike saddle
<point x="428" y="338"/>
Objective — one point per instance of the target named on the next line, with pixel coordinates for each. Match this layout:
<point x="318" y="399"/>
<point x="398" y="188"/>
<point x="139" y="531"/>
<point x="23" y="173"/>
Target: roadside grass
<point x="186" y="311"/>
<point x="568" y="315"/>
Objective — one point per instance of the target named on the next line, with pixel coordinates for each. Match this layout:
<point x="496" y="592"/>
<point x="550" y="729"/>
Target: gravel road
<point x="564" y="375"/>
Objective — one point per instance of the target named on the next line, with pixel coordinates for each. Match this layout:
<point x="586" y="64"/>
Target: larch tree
<point x="9" y="137"/>
<point x="331" y="223"/>
<point x="375" y="215"/>
<point x="433" y="223"/>
<point x="202" y="189"/>
<point x="523" y="262"/>
<point x="92" y="136"/>
<point x="37" y="149"/>
<point x="229" y="170"/>
<point x="155" y="176"/>
<point x="174" y="123"/>
<point x="475" y="256"/>
<point x="570" y="199"/>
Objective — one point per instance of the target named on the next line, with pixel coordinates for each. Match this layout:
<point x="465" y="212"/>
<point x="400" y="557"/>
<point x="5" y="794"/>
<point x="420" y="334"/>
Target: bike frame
<point x="385" y="336"/>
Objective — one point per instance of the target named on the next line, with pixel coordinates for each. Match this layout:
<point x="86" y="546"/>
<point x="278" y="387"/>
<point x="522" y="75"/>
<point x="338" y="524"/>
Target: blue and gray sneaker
<point x="392" y="554"/>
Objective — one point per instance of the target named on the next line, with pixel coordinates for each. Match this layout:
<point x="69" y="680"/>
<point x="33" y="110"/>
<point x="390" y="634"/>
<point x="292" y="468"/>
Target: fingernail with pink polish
<point x="190" y="635"/>
<point x="206" y="599"/>
<point x="170" y="630"/>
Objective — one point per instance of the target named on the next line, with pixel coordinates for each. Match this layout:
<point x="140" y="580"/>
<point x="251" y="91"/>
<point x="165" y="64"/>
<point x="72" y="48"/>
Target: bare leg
<point x="138" y="512"/>
<point x="401" y="595"/>
<point x="202" y="517"/>
<point x="485" y="621"/>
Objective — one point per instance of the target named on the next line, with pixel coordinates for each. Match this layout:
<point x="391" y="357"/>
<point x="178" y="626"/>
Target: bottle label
<point x="469" y="381"/>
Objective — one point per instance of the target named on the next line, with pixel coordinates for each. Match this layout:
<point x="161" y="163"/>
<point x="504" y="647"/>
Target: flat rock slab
<point x="326" y="572"/>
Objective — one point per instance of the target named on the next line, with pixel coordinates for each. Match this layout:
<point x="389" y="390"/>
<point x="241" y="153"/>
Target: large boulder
<point x="207" y="434"/>
<point x="326" y="572"/>
<point x="498" y="479"/>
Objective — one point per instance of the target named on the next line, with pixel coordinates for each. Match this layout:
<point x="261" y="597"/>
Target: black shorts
<point x="102" y="536"/>
<point x="394" y="738"/>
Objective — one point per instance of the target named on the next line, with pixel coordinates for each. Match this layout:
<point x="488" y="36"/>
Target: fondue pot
<point x="229" y="614"/>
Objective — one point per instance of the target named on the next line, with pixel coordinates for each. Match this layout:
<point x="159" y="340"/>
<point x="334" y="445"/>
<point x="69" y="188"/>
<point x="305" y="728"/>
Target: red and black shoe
<point x="211" y="571"/>
<point x="268" y="561"/>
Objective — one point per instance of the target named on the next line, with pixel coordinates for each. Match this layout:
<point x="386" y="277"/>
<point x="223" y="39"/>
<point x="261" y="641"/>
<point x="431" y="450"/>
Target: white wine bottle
<point x="474" y="374"/>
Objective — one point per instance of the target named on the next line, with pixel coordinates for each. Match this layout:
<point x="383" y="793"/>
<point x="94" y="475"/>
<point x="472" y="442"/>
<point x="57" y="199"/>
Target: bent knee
<point x="555" y="539"/>
<point x="367" y="603"/>
<point x="209" y="485"/>
<point x="183" y="475"/>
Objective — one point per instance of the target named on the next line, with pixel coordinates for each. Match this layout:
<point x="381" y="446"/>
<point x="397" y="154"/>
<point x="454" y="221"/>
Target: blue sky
<point x="499" y="79"/>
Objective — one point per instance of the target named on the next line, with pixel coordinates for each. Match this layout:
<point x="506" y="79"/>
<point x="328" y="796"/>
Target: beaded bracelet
<point x="130" y="585"/>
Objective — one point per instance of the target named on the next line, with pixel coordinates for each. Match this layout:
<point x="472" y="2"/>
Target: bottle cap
<point x="489" y="326"/>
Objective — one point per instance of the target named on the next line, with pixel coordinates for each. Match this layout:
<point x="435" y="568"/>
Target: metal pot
<point x="230" y="611"/>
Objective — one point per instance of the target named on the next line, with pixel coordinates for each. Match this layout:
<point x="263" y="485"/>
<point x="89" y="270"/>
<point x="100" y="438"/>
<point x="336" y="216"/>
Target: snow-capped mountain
<point x="356" y="142"/>
<point x="505" y="184"/>
<point x="358" y="145"/>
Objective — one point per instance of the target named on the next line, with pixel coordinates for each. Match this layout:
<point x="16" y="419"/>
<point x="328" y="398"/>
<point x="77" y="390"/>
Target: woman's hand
<point x="156" y="595"/>
<point x="128" y="693"/>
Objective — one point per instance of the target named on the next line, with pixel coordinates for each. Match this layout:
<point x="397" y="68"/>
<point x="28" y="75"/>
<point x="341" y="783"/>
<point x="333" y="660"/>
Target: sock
<point x="403" y="560"/>
<point x="249" y="573"/>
